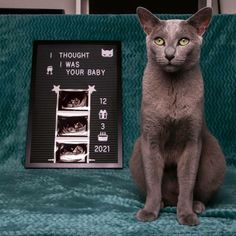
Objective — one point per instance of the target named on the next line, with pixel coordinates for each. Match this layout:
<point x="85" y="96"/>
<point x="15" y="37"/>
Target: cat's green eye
<point x="183" y="41"/>
<point x="159" y="41"/>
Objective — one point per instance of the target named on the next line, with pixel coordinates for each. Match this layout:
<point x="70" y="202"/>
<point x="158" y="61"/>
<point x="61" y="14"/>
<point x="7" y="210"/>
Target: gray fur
<point x="175" y="161"/>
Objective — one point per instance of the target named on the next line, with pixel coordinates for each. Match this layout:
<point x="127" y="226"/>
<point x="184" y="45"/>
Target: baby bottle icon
<point x="50" y="70"/>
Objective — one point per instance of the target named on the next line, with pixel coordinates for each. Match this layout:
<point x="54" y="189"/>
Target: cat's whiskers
<point x="161" y="60"/>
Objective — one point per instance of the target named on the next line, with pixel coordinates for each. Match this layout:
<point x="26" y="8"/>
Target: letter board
<point x="75" y="105"/>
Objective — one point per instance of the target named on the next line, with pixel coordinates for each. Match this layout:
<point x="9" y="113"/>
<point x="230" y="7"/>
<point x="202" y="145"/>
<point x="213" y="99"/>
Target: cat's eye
<point x="183" y="41"/>
<point x="159" y="41"/>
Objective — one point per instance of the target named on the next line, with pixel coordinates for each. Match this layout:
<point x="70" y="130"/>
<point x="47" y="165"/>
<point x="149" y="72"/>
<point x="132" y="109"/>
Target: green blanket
<point x="103" y="202"/>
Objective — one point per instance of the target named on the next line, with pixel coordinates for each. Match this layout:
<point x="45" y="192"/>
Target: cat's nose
<point x="170" y="57"/>
<point x="169" y="53"/>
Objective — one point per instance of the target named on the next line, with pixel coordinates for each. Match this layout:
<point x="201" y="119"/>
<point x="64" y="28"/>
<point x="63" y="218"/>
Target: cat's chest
<point x="172" y="103"/>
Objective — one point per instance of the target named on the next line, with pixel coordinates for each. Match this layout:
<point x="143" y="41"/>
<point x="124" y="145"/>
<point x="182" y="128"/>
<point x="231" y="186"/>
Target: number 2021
<point x="101" y="148"/>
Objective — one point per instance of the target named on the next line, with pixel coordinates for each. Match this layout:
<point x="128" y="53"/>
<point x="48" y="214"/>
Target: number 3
<point x="102" y="125"/>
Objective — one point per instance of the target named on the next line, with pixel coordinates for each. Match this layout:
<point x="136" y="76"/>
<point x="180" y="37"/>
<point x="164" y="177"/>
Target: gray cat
<point x="175" y="161"/>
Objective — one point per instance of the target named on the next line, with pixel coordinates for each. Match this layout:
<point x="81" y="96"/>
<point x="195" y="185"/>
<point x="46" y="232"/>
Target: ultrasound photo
<point x="71" y="152"/>
<point x="73" y="100"/>
<point x="72" y="126"/>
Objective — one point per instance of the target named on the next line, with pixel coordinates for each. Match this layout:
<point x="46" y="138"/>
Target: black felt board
<point x="75" y="105"/>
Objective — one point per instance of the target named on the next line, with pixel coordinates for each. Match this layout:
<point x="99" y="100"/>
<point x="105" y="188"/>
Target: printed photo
<point x="72" y="126"/>
<point x="73" y="100"/>
<point x="71" y="152"/>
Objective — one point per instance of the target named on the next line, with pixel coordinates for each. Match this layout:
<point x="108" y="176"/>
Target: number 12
<point x="103" y="101"/>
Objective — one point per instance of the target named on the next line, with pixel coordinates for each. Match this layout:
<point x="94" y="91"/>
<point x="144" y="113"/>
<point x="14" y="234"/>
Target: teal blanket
<point x="103" y="202"/>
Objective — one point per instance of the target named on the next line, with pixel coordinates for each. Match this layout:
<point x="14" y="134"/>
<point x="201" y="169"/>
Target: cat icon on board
<point x="107" y="53"/>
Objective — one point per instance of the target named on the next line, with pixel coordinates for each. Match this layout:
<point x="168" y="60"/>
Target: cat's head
<point x="174" y="45"/>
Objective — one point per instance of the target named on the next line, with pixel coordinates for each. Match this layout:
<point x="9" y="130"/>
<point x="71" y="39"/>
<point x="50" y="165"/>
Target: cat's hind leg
<point x="198" y="207"/>
<point x="211" y="171"/>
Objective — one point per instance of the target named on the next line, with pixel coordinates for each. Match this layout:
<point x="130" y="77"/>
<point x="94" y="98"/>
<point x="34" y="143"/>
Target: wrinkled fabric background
<point x="103" y="202"/>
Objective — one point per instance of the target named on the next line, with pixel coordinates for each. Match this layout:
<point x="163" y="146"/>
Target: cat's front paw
<point x="144" y="215"/>
<point x="188" y="219"/>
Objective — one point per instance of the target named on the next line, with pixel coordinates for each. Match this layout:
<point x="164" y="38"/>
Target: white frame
<point x="85" y="112"/>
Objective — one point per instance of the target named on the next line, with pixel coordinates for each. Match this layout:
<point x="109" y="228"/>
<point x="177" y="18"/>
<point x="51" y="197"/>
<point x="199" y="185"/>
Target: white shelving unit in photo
<point x="69" y="6"/>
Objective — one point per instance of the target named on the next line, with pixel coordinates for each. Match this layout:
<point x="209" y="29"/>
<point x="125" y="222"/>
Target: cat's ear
<point x="201" y="20"/>
<point x="147" y="19"/>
